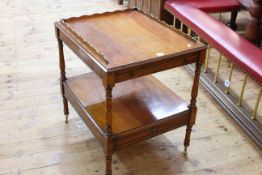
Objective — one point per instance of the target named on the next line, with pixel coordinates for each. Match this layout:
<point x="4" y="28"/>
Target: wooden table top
<point x="127" y="37"/>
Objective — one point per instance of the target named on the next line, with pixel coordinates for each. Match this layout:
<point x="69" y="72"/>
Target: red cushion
<point x="212" y="6"/>
<point x="246" y="55"/>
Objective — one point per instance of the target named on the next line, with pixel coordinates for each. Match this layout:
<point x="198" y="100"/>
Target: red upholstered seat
<point x="246" y="55"/>
<point x="212" y="6"/>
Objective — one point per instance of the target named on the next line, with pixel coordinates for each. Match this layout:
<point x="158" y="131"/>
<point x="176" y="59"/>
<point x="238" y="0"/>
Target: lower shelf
<point x="141" y="107"/>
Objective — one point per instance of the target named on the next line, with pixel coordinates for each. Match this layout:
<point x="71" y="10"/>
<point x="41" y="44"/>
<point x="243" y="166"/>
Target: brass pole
<point x="181" y="26"/>
<point x="230" y="76"/>
<point x="198" y="38"/>
<point x="256" y="105"/>
<point x="174" y="23"/>
<point x="207" y="59"/>
<point x="242" y="91"/>
<point x="218" y="68"/>
<point x="150" y="7"/>
<point x="189" y="31"/>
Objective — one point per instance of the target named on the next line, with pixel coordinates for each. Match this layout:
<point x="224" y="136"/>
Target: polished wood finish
<point x="192" y="105"/>
<point x="62" y="74"/>
<point x="130" y="39"/>
<point x="135" y="104"/>
<point x="131" y="47"/>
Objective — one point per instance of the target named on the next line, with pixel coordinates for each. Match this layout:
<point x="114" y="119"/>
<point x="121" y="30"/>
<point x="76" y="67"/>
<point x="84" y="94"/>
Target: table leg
<point x="192" y="106"/>
<point x="108" y="164"/>
<point x="109" y="148"/>
<point x="187" y="138"/>
<point x="62" y="74"/>
<point x="232" y="23"/>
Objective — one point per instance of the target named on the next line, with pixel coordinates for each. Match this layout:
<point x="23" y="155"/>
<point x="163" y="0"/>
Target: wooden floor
<point x="34" y="140"/>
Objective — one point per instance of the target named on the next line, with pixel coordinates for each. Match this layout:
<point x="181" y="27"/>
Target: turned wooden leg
<point x="109" y="146"/>
<point x="187" y="139"/>
<point x="192" y="105"/>
<point x="108" y="164"/>
<point x="66" y="110"/>
<point x="232" y="23"/>
<point x="62" y="74"/>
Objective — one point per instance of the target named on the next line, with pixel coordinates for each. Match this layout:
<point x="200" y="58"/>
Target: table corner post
<point x="62" y="72"/>
<point x="109" y="83"/>
<point x="194" y="93"/>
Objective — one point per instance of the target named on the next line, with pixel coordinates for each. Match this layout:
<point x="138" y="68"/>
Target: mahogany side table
<point x="120" y="101"/>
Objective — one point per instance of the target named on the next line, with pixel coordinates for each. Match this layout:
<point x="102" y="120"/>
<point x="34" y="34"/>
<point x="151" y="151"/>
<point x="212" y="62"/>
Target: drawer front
<point x="150" y="68"/>
<point x="146" y="132"/>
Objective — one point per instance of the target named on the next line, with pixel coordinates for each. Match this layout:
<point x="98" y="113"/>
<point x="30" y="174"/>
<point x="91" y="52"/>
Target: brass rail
<point x="234" y="103"/>
<point x="227" y="83"/>
<point x="181" y="26"/>
<point x="229" y="77"/>
<point x="239" y="103"/>
<point x="257" y="103"/>
<point x="218" y="68"/>
<point x="207" y="59"/>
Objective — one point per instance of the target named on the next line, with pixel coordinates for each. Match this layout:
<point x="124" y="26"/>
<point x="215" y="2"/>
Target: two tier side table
<point x="120" y="101"/>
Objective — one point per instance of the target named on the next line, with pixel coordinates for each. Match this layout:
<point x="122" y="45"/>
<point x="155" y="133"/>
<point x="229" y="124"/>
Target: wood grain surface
<point x="126" y="37"/>
<point x="135" y="102"/>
